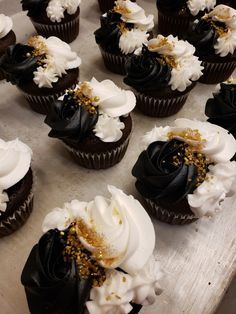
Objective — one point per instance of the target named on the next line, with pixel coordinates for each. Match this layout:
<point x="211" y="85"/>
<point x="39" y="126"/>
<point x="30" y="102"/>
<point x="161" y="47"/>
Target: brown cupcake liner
<point x="173" y="24"/>
<point x="156" y="107"/>
<point x="215" y="73"/>
<point x="19" y="217"/>
<point x="101" y="160"/>
<point x="42" y="104"/>
<point x="114" y="63"/>
<point x="67" y="31"/>
<point x="167" y="216"/>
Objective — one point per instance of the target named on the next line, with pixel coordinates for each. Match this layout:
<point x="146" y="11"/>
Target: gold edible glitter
<point x="38" y="44"/>
<point x="120" y="8"/>
<point x="122" y="27"/>
<point x="87" y="265"/>
<point x="188" y="134"/>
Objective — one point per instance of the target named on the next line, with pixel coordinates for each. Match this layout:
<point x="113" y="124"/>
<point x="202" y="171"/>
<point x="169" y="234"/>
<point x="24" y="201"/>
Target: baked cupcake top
<point x="215" y="32"/>
<point x="124" y="28"/>
<point x="183" y="7"/>
<point x="221" y="109"/>
<point x="190" y="160"/>
<point x="105" y="250"/>
<point x="15" y="160"/>
<point x="5" y="25"/>
<point x="92" y="108"/>
<point x="163" y="61"/>
<point x="42" y="60"/>
<point x="55" y="9"/>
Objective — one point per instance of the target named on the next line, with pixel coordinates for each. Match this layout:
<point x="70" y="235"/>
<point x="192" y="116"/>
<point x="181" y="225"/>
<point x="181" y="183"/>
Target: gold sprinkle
<point x="123" y="279"/>
<point x="38" y="44"/>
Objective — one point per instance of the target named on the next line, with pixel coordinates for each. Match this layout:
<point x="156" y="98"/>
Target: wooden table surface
<point x="198" y="260"/>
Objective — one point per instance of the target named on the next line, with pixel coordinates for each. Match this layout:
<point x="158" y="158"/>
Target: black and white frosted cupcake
<point x="214" y="37"/>
<point x="185" y="171"/>
<point x="16" y="185"/>
<point x="162" y="74"/>
<point x="123" y="29"/>
<point x="175" y="16"/>
<point x="58" y="18"/>
<point x="94" y="123"/>
<point x="221" y="109"/>
<point x="94" y="257"/>
<point x="43" y="69"/>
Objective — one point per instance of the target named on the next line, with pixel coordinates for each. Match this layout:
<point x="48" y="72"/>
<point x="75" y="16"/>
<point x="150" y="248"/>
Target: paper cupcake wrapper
<point x="99" y="160"/>
<point x="42" y="104"/>
<point x="175" y="25"/>
<point x="114" y="63"/>
<point x="155" y="107"/>
<point x="167" y="216"/>
<point x="215" y="73"/>
<point x="19" y="216"/>
<point x="67" y="31"/>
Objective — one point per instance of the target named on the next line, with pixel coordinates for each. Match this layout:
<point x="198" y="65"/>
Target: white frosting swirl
<point x="59" y="58"/>
<point x="226" y="42"/>
<point x="132" y="40"/>
<point x="15" y="159"/>
<point x="119" y="289"/>
<point x="131" y="12"/>
<point x="219" y="147"/>
<point x="5" y="25"/>
<point x="3" y="201"/>
<point x="195" y="6"/>
<point x="121" y="221"/>
<point x="207" y="198"/>
<point x="108" y="129"/>
<point x="56" y="9"/>
<point x="187" y="67"/>
<point x="113" y="101"/>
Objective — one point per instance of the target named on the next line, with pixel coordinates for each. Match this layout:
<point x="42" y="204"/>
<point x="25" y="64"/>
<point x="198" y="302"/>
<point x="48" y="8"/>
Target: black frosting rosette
<point x="70" y="120"/>
<point x="34" y="7"/>
<point x="170" y="5"/>
<point x="165" y="175"/>
<point x="221" y="109"/>
<point x="53" y="285"/>
<point x="18" y="63"/>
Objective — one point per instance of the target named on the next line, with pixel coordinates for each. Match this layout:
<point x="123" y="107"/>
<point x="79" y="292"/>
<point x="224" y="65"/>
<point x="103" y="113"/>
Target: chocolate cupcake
<point x="94" y="123"/>
<point x="176" y="16"/>
<point x="214" y="38"/>
<point x="185" y="172"/>
<point x="123" y="30"/>
<point x="42" y="70"/>
<point x="58" y="18"/>
<point x="7" y="36"/>
<point x="106" y="5"/>
<point x="94" y="257"/>
<point x="162" y="74"/>
<point x="221" y="109"/>
<point x="16" y="185"/>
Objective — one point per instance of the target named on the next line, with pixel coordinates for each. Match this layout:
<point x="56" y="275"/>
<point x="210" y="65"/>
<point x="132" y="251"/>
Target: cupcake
<point x="185" y="171"/>
<point x="58" y="18"/>
<point x="162" y="74"/>
<point x="16" y="185"/>
<point x="93" y="122"/>
<point x="41" y="70"/>
<point x="221" y="109"/>
<point x="175" y="16"/>
<point x="106" y="5"/>
<point x="7" y="36"/>
<point x="123" y="29"/>
<point x="94" y="257"/>
<point x="214" y="37"/>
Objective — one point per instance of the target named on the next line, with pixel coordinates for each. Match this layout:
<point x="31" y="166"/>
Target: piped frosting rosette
<point x="179" y="55"/>
<point x="125" y="27"/>
<point x="15" y="160"/>
<point x="105" y="238"/>
<point x="91" y="107"/>
<point x="46" y="60"/>
<point x="194" y="159"/>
